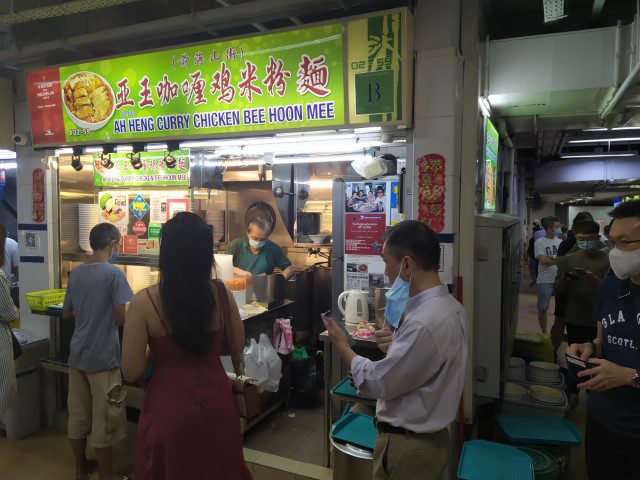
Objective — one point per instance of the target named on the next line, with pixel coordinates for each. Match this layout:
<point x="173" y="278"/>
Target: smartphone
<point x="576" y="365"/>
<point x="350" y="340"/>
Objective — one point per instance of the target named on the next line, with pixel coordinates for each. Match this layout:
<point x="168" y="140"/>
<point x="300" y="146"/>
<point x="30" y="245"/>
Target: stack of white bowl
<point x="87" y="219"/>
<point x="516" y="370"/>
<point x="69" y="234"/>
<point x="544" y="373"/>
<point x="543" y="395"/>
<point x="515" y="393"/>
<point x="215" y="218"/>
<point x="138" y="277"/>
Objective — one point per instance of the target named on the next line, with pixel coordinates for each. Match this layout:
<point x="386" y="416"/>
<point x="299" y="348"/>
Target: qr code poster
<point x="30" y="242"/>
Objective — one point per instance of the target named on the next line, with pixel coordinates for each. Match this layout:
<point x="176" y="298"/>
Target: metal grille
<point x="553" y="10"/>
<point x="68" y="8"/>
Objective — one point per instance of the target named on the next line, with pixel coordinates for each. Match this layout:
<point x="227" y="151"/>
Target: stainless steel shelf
<point x="126" y="260"/>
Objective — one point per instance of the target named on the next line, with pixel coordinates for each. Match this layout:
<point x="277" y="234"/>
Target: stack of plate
<point x="515" y="393"/>
<point x="87" y="219"/>
<point x="516" y="371"/>
<point x="543" y="395"/>
<point x="69" y="235"/>
<point x="543" y="373"/>
<point x="215" y="218"/>
<point x="138" y="277"/>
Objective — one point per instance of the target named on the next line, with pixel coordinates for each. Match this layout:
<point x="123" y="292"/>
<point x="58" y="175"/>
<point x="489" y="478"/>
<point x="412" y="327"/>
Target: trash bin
<point x="23" y="418"/>
<point x="350" y="462"/>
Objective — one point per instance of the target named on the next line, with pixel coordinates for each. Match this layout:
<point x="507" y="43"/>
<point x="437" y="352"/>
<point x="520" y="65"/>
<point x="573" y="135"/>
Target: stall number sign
<point x="374" y="93"/>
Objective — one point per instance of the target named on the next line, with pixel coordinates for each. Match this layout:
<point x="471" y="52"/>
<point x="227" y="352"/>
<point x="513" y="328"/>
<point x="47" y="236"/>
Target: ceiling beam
<point x="257" y="25"/>
<point x="234" y="15"/>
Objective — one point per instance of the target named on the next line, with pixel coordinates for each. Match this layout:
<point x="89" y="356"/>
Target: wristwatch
<point x="635" y="381"/>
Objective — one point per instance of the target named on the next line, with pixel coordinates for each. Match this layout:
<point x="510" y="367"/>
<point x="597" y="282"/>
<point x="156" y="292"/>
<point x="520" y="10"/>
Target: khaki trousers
<point x="419" y="456"/>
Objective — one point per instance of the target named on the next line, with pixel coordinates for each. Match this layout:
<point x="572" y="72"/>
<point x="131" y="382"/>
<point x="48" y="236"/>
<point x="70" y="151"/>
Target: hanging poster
<point x="38" y="199"/>
<point x="364" y="234"/>
<point x="114" y="209"/>
<point x="431" y="191"/>
<point x="366" y="197"/>
<point x="490" y="166"/>
<point x="364" y="272"/>
<point x="175" y="206"/>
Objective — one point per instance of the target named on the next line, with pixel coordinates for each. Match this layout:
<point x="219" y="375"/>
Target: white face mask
<point x="625" y="264"/>
<point x="257" y="245"/>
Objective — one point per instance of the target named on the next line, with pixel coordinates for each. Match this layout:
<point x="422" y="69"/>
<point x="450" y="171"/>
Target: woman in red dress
<point x="189" y="426"/>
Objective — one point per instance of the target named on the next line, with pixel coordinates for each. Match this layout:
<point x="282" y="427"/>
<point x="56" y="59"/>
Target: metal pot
<point x="266" y="288"/>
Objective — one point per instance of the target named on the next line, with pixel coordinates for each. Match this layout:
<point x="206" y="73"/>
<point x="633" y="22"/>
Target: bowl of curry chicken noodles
<point x="88" y="99"/>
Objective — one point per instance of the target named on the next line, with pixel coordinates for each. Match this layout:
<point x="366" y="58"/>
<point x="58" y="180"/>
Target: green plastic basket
<point x="42" y="300"/>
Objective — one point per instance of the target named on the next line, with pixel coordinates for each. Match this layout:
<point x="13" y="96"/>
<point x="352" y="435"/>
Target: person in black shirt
<point x="559" y="323"/>
<point x="612" y="440"/>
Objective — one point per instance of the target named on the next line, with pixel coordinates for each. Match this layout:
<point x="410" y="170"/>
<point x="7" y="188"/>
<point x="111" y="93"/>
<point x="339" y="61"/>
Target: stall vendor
<point x="255" y="254"/>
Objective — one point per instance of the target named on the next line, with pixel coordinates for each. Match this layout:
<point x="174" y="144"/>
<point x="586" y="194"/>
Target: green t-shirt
<point x="269" y="257"/>
<point x="581" y="294"/>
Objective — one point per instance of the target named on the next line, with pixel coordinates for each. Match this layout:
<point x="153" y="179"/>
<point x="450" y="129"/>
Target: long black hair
<point x="186" y="260"/>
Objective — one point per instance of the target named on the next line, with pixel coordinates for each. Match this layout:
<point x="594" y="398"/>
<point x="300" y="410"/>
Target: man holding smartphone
<point x="579" y="274"/>
<point x="419" y="383"/>
<point x="612" y="439"/>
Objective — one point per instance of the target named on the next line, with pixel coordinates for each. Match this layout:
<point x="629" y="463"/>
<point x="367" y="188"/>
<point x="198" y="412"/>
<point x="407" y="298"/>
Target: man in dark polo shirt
<point x="612" y="439"/>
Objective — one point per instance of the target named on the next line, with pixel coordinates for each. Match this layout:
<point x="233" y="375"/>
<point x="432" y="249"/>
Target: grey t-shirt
<point x="93" y="293"/>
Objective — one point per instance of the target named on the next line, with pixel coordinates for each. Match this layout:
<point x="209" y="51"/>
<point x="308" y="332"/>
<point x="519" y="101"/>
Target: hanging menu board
<point x="490" y="166"/>
<point x="286" y="80"/>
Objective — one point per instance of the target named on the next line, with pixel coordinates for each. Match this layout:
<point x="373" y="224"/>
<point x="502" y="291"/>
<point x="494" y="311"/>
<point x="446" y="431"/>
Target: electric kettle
<point x="354" y="306"/>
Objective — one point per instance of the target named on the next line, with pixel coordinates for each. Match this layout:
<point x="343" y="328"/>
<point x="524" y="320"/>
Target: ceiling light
<point x="76" y="163"/>
<point x="598" y="155"/>
<point x="604" y="140"/>
<point x="134" y="158"/>
<point x="124" y="148"/>
<point x="485" y="106"/>
<point x="600" y="129"/>
<point x="625" y="128"/>
<point x="367" y="129"/>
<point x="7" y="154"/>
<point x="105" y="161"/>
<point x="319" y="159"/>
<point x="170" y="161"/>
<point x="8" y="165"/>
<point x="553" y="10"/>
<point x="154" y="147"/>
<point x="243" y="163"/>
<point x="93" y="150"/>
<point x="64" y="151"/>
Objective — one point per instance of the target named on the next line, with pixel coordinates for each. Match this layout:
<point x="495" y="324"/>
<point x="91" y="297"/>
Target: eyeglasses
<point x="624" y="245"/>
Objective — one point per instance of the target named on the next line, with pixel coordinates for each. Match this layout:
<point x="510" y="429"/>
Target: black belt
<point x="388" y="428"/>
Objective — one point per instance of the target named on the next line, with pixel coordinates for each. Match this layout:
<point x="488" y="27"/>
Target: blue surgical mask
<point x="257" y="245"/>
<point x="587" y="244"/>
<point x="397" y="298"/>
<point x="557" y="231"/>
<point x="113" y="257"/>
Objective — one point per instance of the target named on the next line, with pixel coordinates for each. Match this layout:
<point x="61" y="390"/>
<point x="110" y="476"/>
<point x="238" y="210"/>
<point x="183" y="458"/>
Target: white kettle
<point x="354" y="306"/>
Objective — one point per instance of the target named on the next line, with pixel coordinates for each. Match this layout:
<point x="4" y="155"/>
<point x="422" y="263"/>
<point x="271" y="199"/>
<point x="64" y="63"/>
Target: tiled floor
<point x="528" y="322"/>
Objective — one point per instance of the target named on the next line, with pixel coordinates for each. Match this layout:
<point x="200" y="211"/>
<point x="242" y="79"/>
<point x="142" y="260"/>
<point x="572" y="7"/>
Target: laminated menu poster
<point x="364" y="272"/>
<point x="367" y="207"/>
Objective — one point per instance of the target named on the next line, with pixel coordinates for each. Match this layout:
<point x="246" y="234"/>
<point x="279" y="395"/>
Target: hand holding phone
<point x="577" y="365"/>
<point x="340" y="324"/>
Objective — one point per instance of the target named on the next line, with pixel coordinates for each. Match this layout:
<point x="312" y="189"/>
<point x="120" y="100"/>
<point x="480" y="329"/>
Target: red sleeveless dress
<point x="189" y="427"/>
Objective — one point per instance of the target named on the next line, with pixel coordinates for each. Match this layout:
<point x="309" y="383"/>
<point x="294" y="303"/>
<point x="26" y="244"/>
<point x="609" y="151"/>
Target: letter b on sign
<point x="375" y="92"/>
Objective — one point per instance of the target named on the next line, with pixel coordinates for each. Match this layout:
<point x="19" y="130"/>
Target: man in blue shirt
<point x="612" y="438"/>
<point x="255" y="254"/>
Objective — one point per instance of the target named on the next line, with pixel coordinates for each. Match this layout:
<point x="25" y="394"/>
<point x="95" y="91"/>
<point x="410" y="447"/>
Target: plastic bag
<point x="274" y="364"/>
<point x="255" y="363"/>
<point x="283" y="336"/>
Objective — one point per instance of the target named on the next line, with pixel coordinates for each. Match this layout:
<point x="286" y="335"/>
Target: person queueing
<point x="189" y="426"/>
<point x="612" y="439"/>
<point x="97" y="294"/>
<point x="419" y="382"/>
<point x="8" y="314"/>
<point x="546" y="251"/>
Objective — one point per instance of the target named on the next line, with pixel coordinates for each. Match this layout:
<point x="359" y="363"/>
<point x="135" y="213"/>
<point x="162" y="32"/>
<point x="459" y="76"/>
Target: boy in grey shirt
<point x="97" y="294"/>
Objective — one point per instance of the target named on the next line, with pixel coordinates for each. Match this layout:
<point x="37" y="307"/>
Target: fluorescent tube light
<point x="599" y="129"/>
<point x="124" y="148"/>
<point x="625" y="128"/>
<point x="93" y="150"/>
<point x="155" y="147"/>
<point x="64" y="151"/>
<point x="319" y="159"/>
<point x="604" y="140"/>
<point x="8" y="165"/>
<point x="598" y="155"/>
<point x="243" y="163"/>
<point x="367" y="129"/>
<point x="485" y="106"/>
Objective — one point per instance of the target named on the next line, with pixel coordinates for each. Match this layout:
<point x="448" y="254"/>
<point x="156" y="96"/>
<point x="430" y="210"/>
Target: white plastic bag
<point x="274" y="364"/>
<point x="255" y="363"/>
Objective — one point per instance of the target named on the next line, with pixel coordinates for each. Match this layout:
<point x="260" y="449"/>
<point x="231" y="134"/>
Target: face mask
<point x="587" y="244"/>
<point x="255" y="244"/>
<point x="557" y="231"/>
<point x="625" y="264"/>
<point x="112" y="257"/>
<point x="397" y="298"/>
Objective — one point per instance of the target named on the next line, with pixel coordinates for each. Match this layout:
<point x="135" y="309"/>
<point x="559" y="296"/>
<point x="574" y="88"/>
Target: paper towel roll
<point x="224" y="266"/>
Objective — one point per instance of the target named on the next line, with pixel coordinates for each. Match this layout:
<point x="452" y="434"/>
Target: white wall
<point x="600" y="214"/>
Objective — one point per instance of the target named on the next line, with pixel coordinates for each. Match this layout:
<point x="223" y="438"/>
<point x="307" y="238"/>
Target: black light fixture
<point x="134" y="156"/>
<point x="105" y="156"/>
<point x="169" y="159"/>
<point x="76" y="163"/>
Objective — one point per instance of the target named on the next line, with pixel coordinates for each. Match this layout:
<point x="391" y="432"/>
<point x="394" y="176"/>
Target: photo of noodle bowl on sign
<point x="88" y="100"/>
